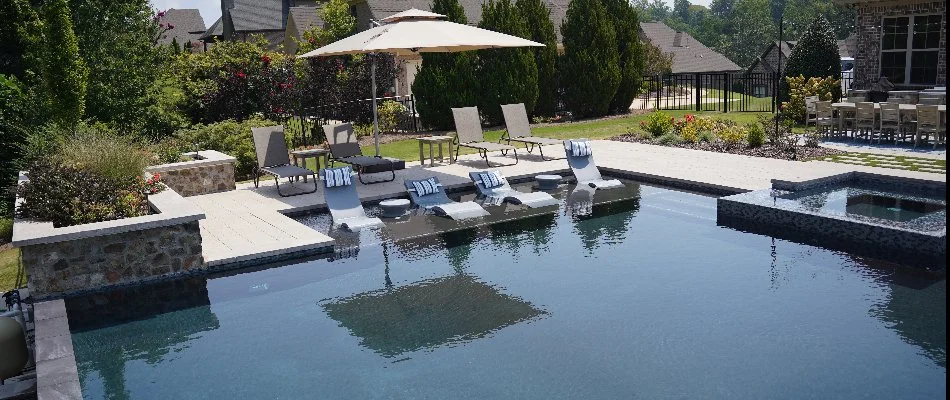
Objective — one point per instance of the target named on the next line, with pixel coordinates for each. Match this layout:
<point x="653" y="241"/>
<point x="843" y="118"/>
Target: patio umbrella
<point x="415" y="31"/>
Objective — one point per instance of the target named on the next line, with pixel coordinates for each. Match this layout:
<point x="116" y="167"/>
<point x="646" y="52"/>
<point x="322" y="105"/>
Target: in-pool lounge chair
<point x="433" y="198"/>
<point x="496" y="189"/>
<point x="274" y="159"/>
<point x="581" y="159"/>
<point x="468" y="133"/>
<point x="343" y="201"/>
<point x="345" y="148"/>
<point x="517" y="129"/>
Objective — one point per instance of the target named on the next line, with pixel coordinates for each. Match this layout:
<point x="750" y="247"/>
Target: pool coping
<point x="57" y="376"/>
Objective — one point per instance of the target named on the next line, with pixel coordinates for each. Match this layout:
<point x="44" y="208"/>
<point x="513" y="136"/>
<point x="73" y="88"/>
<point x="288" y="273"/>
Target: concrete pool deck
<point x="250" y="225"/>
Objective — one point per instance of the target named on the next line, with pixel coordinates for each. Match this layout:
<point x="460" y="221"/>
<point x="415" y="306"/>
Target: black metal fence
<point x="724" y="92"/>
<point x="307" y="126"/>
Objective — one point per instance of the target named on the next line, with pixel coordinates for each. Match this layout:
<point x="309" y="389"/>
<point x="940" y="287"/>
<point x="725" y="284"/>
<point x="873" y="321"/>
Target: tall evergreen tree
<point x="445" y="80"/>
<point x="64" y="72"/>
<point x="815" y="55"/>
<point x="541" y="30"/>
<point x="506" y="76"/>
<point x="630" y="51"/>
<point x="590" y="66"/>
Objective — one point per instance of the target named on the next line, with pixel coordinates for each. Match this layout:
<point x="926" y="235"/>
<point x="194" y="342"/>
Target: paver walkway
<point x="250" y="223"/>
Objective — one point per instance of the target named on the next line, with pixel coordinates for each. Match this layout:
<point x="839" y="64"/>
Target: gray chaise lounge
<point x="441" y="204"/>
<point x="504" y="192"/>
<point x="344" y="204"/>
<point x="586" y="171"/>
<point x="345" y="148"/>
<point x="468" y="133"/>
<point x="274" y="159"/>
<point x="517" y="129"/>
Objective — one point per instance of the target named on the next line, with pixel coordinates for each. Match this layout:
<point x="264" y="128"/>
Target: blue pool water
<point x="645" y="298"/>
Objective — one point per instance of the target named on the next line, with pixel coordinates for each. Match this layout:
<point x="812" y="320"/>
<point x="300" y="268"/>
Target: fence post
<point x="658" y="86"/>
<point x="698" y="92"/>
<point x="725" y="92"/>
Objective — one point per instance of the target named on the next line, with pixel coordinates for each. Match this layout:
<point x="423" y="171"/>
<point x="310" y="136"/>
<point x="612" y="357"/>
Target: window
<point x="909" y="47"/>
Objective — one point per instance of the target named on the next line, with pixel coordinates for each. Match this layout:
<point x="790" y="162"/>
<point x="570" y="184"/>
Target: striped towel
<point x="580" y="148"/>
<point x="334" y="177"/>
<point x="427" y="186"/>
<point x="491" y="179"/>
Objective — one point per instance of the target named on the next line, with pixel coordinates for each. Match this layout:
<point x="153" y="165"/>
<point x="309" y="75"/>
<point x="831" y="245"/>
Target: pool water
<point x="873" y="204"/>
<point x="639" y="298"/>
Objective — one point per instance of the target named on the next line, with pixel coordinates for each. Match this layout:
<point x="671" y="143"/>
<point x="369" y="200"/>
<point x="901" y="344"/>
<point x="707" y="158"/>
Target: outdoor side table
<point x="548" y="182"/>
<point x="394" y="208"/>
<point x="303" y="155"/>
<point x="433" y="140"/>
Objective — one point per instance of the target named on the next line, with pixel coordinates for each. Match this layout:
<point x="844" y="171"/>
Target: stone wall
<point x="867" y="57"/>
<point x="200" y="179"/>
<point x="95" y="262"/>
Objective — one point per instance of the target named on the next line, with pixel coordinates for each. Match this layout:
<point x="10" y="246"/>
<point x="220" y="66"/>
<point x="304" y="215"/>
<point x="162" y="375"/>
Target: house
<point x="243" y="19"/>
<point x="903" y="40"/>
<point x="689" y="55"/>
<point x="766" y="65"/>
<point x="299" y="20"/>
<point x="182" y="26"/>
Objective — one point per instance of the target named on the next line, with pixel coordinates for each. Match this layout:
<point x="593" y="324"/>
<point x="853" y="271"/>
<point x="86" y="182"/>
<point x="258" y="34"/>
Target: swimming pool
<point x="643" y="298"/>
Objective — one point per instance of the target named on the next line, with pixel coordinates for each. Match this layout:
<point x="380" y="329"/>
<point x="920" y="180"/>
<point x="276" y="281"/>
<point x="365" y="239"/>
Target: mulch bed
<point x="801" y="153"/>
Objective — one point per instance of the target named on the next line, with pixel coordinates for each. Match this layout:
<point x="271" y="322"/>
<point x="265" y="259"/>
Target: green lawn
<point x="9" y="263"/>
<point x="908" y="163"/>
<point x="752" y="102"/>
<point x="598" y="129"/>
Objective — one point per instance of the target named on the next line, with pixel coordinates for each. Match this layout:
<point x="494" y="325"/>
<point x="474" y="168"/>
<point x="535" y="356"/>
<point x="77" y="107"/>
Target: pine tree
<point x="445" y="80"/>
<point x="590" y="67"/>
<point x="507" y="76"/>
<point x="815" y="55"/>
<point x="541" y="30"/>
<point x="630" y="50"/>
<point x="64" y="72"/>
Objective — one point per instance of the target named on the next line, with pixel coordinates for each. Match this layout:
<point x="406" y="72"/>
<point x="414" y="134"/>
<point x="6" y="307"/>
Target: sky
<point x="211" y="9"/>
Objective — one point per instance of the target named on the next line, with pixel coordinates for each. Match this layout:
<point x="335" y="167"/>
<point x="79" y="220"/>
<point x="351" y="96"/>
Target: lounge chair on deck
<point x="433" y="198"/>
<point x="517" y="129"/>
<point x="468" y="133"/>
<point x="581" y="159"/>
<point x="274" y="159"/>
<point x="345" y="148"/>
<point x="343" y="200"/>
<point x="496" y="188"/>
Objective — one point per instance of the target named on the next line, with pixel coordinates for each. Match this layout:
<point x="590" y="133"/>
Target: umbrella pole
<point x="375" y="110"/>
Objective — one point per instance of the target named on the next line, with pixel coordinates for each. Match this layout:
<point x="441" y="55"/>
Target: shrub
<point x="756" y="136"/>
<point x="64" y="72"/>
<point x="781" y="138"/>
<point x="391" y="115"/>
<point x="506" y="76"/>
<point x="669" y="138"/>
<point x="100" y="151"/>
<point x="66" y="195"/>
<point x="731" y="135"/>
<point x="541" y="30"/>
<point x="657" y="123"/>
<point x="363" y="130"/>
<point x="815" y="56"/>
<point x="800" y="88"/>
<point x="229" y="137"/>
<point x="706" y="137"/>
<point x="590" y="66"/>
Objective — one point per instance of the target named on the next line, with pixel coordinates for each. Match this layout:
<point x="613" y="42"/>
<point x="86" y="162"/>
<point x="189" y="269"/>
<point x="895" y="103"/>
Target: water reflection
<point x="587" y="209"/>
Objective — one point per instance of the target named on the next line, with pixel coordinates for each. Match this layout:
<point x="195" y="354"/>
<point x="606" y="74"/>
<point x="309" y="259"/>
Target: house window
<point x="909" y="47"/>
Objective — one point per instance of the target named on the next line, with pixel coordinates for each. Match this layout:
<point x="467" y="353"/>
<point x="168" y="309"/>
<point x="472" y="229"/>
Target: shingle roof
<point x="305" y="18"/>
<point x="692" y="56"/>
<point x="186" y="24"/>
<point x="258" y="15"/>
<point x="216" y="29"/>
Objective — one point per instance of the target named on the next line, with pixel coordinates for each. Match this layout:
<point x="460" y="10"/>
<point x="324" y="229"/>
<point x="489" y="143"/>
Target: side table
<point x="432" y="140"/>
<point x="301" y="156"/>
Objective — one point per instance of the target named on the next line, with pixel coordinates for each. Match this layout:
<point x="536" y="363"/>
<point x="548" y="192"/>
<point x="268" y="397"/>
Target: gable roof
<point x="691" y="56"/>
<point x="216" y="29"/>
<point x="846" y="48"/>
<point x="305" y="18"/>
<point x="258" y="15"/>
<point x="187" y="25"/>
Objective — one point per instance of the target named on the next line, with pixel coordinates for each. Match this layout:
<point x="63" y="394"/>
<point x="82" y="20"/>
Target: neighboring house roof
<point x="846" y="48"/>
<point x="689" y="55"/>
<point x="305" y="18"/>
<point x="187" y="25"/>
<point x="216" y="29"/>
<point x="259" y="15"/>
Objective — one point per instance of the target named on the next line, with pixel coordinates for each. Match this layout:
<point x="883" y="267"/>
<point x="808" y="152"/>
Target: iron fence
<point x="723" y="92"/>
<point x="307" y="126"/>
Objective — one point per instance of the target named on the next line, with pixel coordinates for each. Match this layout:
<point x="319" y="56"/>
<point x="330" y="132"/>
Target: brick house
<point x="903" y="40"/>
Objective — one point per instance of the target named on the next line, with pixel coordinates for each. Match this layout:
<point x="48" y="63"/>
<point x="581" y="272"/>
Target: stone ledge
<point x="205" y="158"/>
<point x="57" y="376"/>
<point x="170" y="207"/>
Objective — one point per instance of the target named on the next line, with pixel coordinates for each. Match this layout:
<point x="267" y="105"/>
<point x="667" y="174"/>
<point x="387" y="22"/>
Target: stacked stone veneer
<point x="95" y="262"/>
<point x="209" y="172"/>
<point x="867" y="59"/>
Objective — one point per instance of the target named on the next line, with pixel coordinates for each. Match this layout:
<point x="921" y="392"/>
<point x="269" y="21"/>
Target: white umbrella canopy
<point x="415" y="31"/>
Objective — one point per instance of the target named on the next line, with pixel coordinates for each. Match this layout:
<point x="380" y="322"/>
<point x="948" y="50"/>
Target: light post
<point x="778" y="16"/>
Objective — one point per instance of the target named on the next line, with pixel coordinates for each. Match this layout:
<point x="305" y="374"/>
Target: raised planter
<point x="78" y="258"/>
<point x="208" y="171"/>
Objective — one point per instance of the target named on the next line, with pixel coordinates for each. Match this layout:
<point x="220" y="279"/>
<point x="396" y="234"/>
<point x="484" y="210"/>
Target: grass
<point x="908" y="163"/>
<point x="9" y="263"/>
<point x="752" y="102"/>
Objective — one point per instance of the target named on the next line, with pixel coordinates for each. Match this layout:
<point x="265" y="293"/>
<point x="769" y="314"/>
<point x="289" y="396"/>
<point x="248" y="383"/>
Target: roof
<point x="305" y="18"/>
<point x="690" y="57"/>
<point x="846" y="48"/>
<point x="187" y="25"/>
<point x="258" y="15"/>
<point x="216" y="29"/>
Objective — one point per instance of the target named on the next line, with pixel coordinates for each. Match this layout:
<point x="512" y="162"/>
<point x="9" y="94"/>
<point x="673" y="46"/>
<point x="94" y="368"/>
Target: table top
<point x="904" y="107"/>
<point x="309" y="152"/>
<point x="435" y="138"/>
<point x="394" y="202"/>
<point x="547" y="177"/>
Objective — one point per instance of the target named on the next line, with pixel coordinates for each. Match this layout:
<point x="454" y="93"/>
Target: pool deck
<point x="250" y="225"/>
